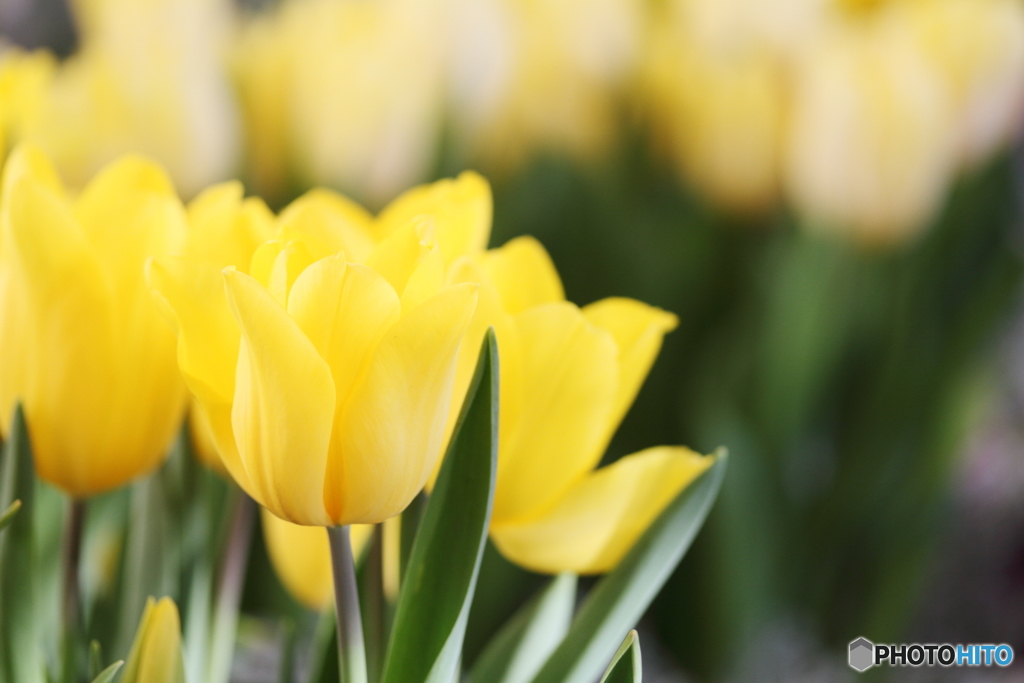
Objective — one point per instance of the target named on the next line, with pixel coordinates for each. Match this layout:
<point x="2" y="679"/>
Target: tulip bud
<point x="155" y="656"/>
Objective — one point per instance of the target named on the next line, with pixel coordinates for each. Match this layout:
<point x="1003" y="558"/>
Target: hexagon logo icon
<point x="862" y="654"/>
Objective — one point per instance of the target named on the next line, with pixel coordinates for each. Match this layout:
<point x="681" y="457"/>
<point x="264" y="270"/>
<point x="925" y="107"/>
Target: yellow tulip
<point x="568" y="377"/>
<point x="148" y="78"/>
<point x="155" y="656"/>
<point x="871" y="143"/>
<point x="338" y="343"/>
<point x="301" y="556"/>
<point x="86" y="351"/>
<point x="978" y="48"/>
<point x="531" y="77"/>
<point x="348" y="94"/>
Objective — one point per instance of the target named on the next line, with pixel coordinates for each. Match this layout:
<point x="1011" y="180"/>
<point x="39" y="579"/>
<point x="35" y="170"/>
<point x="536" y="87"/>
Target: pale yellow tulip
<point x="87" y="353"/>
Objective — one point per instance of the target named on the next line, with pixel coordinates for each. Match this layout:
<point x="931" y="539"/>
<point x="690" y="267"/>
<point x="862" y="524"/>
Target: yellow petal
<point x="411" y="261"/>
<point x="461" y="209"/>
<point x="204" y="445"/>
<point x="390" y="437"/>
<point x="638" y="330"/>
<point x="523" y="273"/>
<point x="224" y="229"/>
<point x="301" y="556"/>
<point x="155" y="656"/>
<point x="29" y="161"/>
<point x="569" y="379"/>
<point x="345" y="310"/>
<point x="330" y="224"/>
<point x="283" y="408"/>
<point x="596" y="523"/>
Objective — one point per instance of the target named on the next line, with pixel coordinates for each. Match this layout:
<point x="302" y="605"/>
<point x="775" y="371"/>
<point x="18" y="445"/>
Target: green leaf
<point x="619" y="600"/>
<point x="107" y="675"/>
<point x="433" y="605"/>
<point x="8" y="514"/>
<point x="522" y="646"/>
<point x="324" y="661"/>
<point x="20" y="656"/>
<point x="625" y="666"/>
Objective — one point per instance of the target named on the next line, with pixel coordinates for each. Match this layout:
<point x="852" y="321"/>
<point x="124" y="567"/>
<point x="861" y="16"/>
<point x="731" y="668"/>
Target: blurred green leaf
<point x="626" y="665"/>
<point x="107" y="675"/>
<point x="9" y="513"/>
<point x="433" y="606"/>
<point x="619" y="600"/>
<point x="20" y="655"/>
<point x="323" y="667"/>
<point x="519" y="650"/>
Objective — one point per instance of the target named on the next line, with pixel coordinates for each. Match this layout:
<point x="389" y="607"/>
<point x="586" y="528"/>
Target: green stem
<point x="71" y="612"/>
<point x="351" y="650"/>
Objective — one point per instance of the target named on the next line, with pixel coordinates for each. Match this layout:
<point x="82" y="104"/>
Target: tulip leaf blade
<point x="437" y="591"/>
<point x="107" y="675"/>
<point x="522" y="646"/>
<point x="619" y="599"/>
<point x="626" y="665"/>
<point x="20" y="656"/>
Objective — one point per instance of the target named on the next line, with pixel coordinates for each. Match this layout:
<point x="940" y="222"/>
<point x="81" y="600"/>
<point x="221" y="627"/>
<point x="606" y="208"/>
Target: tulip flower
<point x="86" y="351"/>
<point x="301" y="557"/>
<point x="155" y="656"/>
<point x="568" y="377"/>
<point x="337" y="341"/>
<point x="342" y="93"/>
<point x="147" y="77"/>
<point x="871" y="147"/>
<point x="540" y="76"/>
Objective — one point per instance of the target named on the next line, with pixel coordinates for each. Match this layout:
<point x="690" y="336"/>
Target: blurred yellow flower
<point x="149" y="78"/>
<point x="860" y="112"/>
<point x="85" y="348"/>
<point x="155" y="656"/>
<point x="528" y="77"/>
<point x="568" y="377"/>
<point x="343" y="93"/>
<point x="871" y="136"/>
<point x="301" y="556"/>
<point x="339" y="343"/>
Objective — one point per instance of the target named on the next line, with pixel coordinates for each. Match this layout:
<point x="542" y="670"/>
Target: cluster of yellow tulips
<point x="858" y="112"/>
<point x="323" y="354"/>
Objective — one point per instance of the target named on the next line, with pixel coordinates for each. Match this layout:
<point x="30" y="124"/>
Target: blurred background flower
<point x="826" y="192"/>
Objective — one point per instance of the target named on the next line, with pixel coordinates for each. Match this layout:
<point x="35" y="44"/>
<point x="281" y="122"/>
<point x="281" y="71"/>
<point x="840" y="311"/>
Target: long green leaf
<point x="518" y="651"/>
<point x="433" y="605"/>
<point x="619" y="600"/>
<point x="20" y="655"/>
<point x="107" y="675"/>
<point x="626" y="664"/>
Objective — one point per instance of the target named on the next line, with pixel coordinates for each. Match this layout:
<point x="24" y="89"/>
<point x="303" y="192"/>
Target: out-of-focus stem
<point x="351" y="650"/>
<point x="71" y="553"/>
<point x="229" y="589"/>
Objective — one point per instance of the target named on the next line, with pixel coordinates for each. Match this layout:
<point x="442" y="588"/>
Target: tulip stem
<point x="71" y="553"/>
<point x="351" y="650"/>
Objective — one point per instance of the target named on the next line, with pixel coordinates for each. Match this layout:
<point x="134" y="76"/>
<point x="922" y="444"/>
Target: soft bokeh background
<point x="827" y="192"/>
